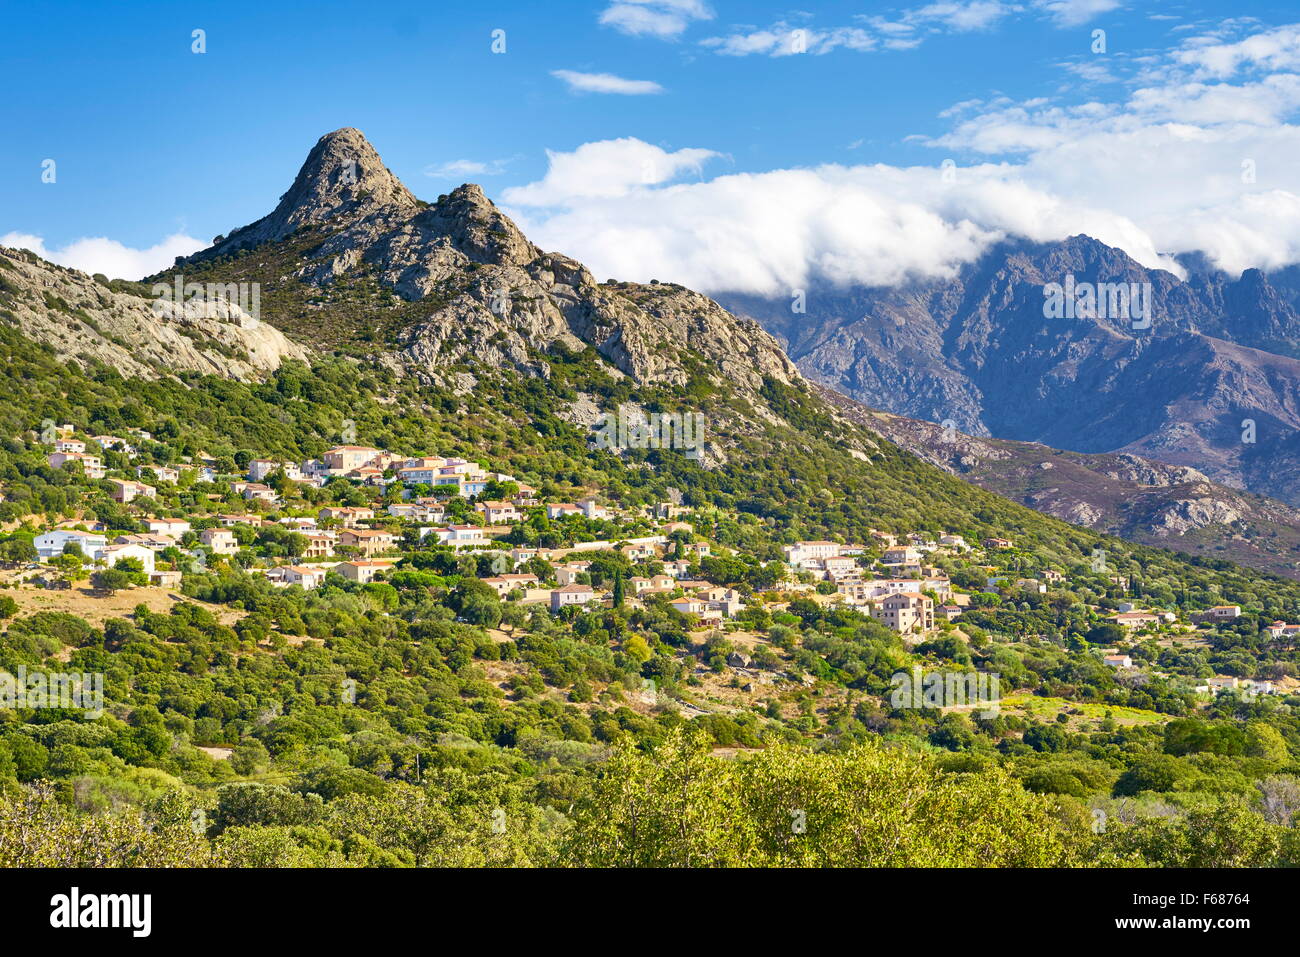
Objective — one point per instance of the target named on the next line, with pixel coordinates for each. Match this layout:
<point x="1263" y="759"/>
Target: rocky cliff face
<point x="84" y="320"/>
<point x="1210" y="381"/>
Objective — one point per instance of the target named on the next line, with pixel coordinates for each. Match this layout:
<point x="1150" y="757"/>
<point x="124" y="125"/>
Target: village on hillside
<point x="274" y="519"/>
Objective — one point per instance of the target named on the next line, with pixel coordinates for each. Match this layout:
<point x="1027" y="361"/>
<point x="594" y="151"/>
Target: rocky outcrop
<point x="85" y="321"/>
<point x="342" y="177"/>
<point x="1130" y="468"/>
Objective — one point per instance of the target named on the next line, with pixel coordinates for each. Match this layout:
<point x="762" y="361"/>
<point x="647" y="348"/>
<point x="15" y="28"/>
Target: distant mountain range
<point x="1212" y="382"/>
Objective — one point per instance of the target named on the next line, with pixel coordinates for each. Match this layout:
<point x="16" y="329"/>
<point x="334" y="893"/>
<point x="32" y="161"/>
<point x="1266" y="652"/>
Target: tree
<point x="249" y="756"/>
<point x="476" y="602"/>
<point x="17" y="551"/>
<point x="635" y="647"/>
<point x="37" y="830"/>
<point x="1155" y="772"/>
<point x="110" y="580"/>
<point x="1107" y="633"/>
<point x="1228" y="835"/>
<point x="134" y="570"/>
<point x="1265" y="741"/>
<point x="1279" y="798"/>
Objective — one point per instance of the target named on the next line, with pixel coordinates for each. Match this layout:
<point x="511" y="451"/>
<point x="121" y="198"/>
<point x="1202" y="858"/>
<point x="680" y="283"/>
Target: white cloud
<point x="606" y="170"/>
<point x="1277" y="49"/>
<point x="665" y="19"/>
<point x="605" y="83"/>
<point x="108" y="256"/>
<point x="957" y="16"/>
<point x="905" y="31"/>
<point x="781" y="39"/>
<point x="1182" y="163"/>
<point x="1072" y="13"/>
<point x="457" y="169"/>
<point x="772" y="232"/>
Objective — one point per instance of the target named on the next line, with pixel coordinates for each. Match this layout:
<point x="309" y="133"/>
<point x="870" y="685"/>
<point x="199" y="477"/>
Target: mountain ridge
<point x="979" y="351"/>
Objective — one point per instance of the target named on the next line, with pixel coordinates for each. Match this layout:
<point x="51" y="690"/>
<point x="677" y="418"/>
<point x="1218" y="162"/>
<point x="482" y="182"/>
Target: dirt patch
<point x="95" y="609"/>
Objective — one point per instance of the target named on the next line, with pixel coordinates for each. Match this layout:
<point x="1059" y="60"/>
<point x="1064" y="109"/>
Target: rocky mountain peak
<point x="342" y="168"/>
<point x="343" y="178"/>
<point x="486" y="295"/>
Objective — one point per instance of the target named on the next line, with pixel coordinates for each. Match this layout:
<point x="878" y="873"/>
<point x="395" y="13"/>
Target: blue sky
<point x="152" y="140"/>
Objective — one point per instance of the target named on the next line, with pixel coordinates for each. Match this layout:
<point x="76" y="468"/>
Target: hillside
<point x="91" y="321"/>
<point x="1119" y="494"/>
<point x="445" y="602"/>
<point x="351" y="259"/>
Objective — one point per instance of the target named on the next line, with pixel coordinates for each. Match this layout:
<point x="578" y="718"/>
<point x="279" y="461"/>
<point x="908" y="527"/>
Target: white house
<point x="307" y="576"/>
<point x="461" y="536"/>
<point x="568" y="574"/>
<point x="51" y="543"/>
<point x="168" y="526"/>
<point x="259" y="469"/>
<point x="113" y="554"/>
<point x="503" y="585"/>
<point x="222" y="541"/>
<point x="363" y="571"/>
<point x="592" y="510"/>
<point x="496" y="513"/>
<point x="126" y="490"/>
<point x="91" y="464"/>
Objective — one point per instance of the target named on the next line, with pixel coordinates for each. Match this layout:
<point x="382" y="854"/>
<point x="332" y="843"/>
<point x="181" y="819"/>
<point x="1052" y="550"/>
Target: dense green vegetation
<point x="421" y="720"/>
